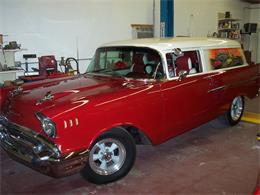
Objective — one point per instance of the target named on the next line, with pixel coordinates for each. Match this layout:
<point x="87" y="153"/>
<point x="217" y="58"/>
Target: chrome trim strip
<point x="219" y="71"/>
<point x="71" y="123"/>
<point x="254" y="78"/>
<point x="233" y="85"/>
<point x="65" y="125"/>
<point x="217" y="89"/>
<point x="77" y="121"/>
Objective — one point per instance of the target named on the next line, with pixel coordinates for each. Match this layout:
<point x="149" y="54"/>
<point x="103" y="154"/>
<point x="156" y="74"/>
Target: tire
<point x="235" y="111"/>
<point x="111" y="157"/>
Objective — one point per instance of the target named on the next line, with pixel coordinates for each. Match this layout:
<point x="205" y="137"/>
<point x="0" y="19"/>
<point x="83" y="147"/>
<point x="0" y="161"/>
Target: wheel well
<point x="139" y="137"/>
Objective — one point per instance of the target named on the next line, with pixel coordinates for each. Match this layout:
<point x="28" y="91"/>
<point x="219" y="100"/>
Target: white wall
<point x="199" y="17"/>
<point x="1" y="16"/>
<point x="53" y="26"/>
<point x="253" y="16"/>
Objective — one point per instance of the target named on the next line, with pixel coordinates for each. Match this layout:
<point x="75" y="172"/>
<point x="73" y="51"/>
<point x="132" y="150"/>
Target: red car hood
<point x="70" y="89"/>
<point x="62" y="92"/>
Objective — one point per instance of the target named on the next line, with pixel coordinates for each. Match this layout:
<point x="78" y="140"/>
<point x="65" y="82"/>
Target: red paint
<point x="257" y="190"/>
<point x="160" y="109"/>
<point x="4" y="91"/>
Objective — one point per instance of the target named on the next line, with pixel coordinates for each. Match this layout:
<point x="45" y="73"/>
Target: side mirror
<point x="177" y="52"/>
<point x="182" y="75"/>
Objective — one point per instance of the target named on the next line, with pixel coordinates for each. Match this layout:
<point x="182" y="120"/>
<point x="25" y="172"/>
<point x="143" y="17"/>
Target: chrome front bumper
<point x="36" y="151"/>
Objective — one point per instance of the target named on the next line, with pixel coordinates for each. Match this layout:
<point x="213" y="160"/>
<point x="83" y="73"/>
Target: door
<point x="187" y="102"/>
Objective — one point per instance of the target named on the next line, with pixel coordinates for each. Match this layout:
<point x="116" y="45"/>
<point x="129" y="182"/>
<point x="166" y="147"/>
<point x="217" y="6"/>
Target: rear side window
<point x="189" y="62"/>
<point x="225" y="58"/>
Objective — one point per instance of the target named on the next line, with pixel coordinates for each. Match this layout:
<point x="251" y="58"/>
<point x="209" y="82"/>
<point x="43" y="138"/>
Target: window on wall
<point x="189" y="62"/>
<point x="225" y="58"/>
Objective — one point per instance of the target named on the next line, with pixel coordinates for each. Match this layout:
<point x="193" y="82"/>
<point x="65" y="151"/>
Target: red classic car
<point x="134" y="92"/>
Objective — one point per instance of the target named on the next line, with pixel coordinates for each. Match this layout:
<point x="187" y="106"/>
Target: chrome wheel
<point x="236" y="108"/>
<point x="107" y="156"/>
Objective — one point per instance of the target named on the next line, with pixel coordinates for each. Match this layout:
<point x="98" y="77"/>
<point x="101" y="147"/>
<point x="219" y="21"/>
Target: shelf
<point x="228" y="20"/>
<point x="227" y="29"/>
<point x="14" y="50"/>
<point x="236" y="39"/>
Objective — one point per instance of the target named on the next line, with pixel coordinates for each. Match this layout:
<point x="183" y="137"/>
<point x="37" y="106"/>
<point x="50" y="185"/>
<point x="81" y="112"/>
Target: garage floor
<point x="211" y="159"/>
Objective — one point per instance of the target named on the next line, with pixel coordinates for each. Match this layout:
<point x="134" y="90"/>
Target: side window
<point x="189" y="62"/>
<point x="225" y="58"/>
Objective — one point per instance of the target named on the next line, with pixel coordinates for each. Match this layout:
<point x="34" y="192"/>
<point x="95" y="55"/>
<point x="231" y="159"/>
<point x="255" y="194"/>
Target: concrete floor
<point x="211" y="159"/>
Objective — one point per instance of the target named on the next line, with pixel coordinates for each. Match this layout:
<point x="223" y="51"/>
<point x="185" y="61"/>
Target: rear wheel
<point x="111" y="157"/>
<point x="235" y="112"/>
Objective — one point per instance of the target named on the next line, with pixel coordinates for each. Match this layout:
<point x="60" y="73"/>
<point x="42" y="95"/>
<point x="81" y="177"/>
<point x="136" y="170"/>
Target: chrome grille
<point x="24" y="142"/>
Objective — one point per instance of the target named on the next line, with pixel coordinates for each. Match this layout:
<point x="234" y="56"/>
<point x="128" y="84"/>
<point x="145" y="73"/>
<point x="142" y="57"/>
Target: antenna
<point x="77" y="53"/>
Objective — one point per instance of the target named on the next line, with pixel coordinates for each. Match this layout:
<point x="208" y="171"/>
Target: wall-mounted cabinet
<point x="229" y="28"/>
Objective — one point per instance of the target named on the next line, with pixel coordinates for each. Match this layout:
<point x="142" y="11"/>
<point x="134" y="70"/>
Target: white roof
<point x="178" y="42"/>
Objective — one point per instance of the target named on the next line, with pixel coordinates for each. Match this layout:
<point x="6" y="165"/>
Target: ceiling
<point x="252" y="1"/>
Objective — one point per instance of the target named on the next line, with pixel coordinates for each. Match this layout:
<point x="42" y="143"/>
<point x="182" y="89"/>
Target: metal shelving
<point x="229" y="28"/>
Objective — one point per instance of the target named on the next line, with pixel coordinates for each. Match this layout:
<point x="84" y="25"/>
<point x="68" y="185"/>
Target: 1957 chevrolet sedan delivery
<point x="134" y="92"/>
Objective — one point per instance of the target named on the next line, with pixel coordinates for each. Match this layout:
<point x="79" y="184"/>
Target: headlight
<point x="48" y="126"/>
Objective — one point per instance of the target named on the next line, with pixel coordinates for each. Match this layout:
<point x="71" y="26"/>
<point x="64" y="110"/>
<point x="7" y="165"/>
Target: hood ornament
<point x="48" y="96"/>
<point x="16" y="91"/>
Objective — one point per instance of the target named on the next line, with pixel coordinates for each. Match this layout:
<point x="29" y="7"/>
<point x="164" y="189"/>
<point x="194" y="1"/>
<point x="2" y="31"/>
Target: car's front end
<point x="31" y="132"/>
<point x="36" y="151"/>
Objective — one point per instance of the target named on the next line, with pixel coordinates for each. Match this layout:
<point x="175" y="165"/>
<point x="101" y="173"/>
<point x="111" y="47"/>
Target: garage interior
<point x="211" y="159"/>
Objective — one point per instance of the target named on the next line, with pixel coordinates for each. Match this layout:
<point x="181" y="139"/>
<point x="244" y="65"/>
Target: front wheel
<point x="111" y="157"/>
<point x="235" y="112"/>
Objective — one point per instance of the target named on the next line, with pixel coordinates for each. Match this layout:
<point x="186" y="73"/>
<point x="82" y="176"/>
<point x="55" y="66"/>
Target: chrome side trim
<point x="65" y="124"/>
<point x="233" y="85"/>
<point x="71" y="123"/>
<point x="217" y="89"/>
<point x="77" y="121"/>
<point x="219" y="71"/>
<point x="254" y="78"/>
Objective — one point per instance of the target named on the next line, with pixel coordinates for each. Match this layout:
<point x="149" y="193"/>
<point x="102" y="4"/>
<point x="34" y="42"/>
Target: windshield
<point x="132" y="62"/>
